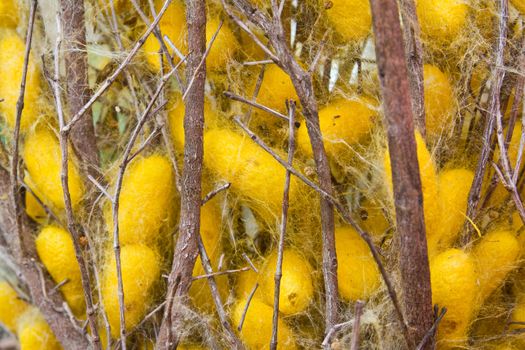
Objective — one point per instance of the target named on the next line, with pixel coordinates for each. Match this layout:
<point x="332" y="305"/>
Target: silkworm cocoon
<point x="176" y="120"/>
<point x="429" y="186"/>
<point x="357" y="271"/>
<point x="454" y="187"/>
<point x="343" y="123"/>
<point x="12" y="51"/>
<point x="252" y="172"/>
<point x="34" y="209"/>
<point x="140" y="270"/>
<point x="172" y="25"/>
<point x="147" y="200"/>
<point x="275" y="89"/>
<point x="210" y="230"/>
<point x="443" y="20"/>
<point x="9" y="13"/>
<point x="224" y="46"/>
<point x="256" y="330"/>
<point x="373" y="218"/>
<point x="34" y="333"/>
<point x="352" y="19"/>
<point x="519" y="5"/>
<point x="439" y="100"/>
<point x="496" y="254"/>
<point x="454" y="286"/>
<point x="297" y="287"/>
<point x="54" y="246"/>
<point x="245" y="283"/>
<point x="43" y="158"/>
<point x="11" y="306"/>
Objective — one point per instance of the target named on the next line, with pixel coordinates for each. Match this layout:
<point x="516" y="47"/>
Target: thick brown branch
<point x="414" y="54"/>
<point x="408" y="198"/>
<point x="78" y="92"/>
<point x="186" y="249"/>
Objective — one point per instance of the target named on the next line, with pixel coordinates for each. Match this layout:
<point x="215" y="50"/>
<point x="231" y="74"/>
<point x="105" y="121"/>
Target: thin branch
<point x="432" y="331"/>
<point x="245" y="310"/>
<point x="357" y="325"/>
<point x="64" y="175"/>
<point x="498" y="73"/>
<point x="215" y="192"/>
<point x="235" y="97"/>
<point x="15" y="192"/>
<point x="284" y="221"/>
<point x="221" y="273"/>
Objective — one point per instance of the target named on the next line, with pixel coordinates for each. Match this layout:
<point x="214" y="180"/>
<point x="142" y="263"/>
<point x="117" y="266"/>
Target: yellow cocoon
<point x="429" y="186"/>
<point x="256" y="331"/>
<point x="275" y="89"/>
<point x="245" y="283"/>
<point x="496" y="254"/>
<point x="11" y="306"/>
<point x="140" y="270"/>
<point x="343" y="123"/>
<point x="252" y="172"/>
<point x="54" y="246"/>
<point x="34" y="209"/>
<point x="373" y="219"/>
<point x="8" y="13"/>
<point x="224" y="46"/>
<point x="210" y="230"/>
<point x="357" y="270"/>
<point x="12" y="51"/>
<point x="439" y="100"/>
<point x="519" y="5"/>
<point x="441" y="21"/>
<point x="173" y="25"/>
<point x="146" y="201"/>
<point x="43" y="158"/>
<point x="34" y="333"/>
<point x="352" y="19"/>
<point x="454" y="187"/>
<point x="454" y="286"/>
<point x="297" y="290"/>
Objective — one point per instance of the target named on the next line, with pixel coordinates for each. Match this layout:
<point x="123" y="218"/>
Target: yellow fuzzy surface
<point x="297" y="287"/>
<point x="429" y="186"/>
<point x="352" y="19"/>
<point x="34" y="333"/>
<point x="12" y="51"/>
<point x="173" y="25"/>
<point x="256" y="331"/>
<point x="439" y="101"/>
<point x="210" y="230"/>
<point x="245" y="283"/>
<point x="55" y="249"/>
<point x="343" y="123"/>
<point x="518" y="312"/>
<point x="519" y="5"/>
<point x="140" y="271"/>
<point x="34" y="209"/>
<point x="11" y="306"/>
<point x="8" y="13"/>
<point x="441" y="20"/>
<point x="252" y="172"/>
<point x="43" y="158"/>
<point x="147" y="201"/>
<point x="454" y="187"/>
<point x="357" y="272"/>
<point x="276" y="88"/>
<point x="224" y="46"/>
<point x="496" y="254"/>
<point x="454" y="286"/>
<point x="373" y="219"/>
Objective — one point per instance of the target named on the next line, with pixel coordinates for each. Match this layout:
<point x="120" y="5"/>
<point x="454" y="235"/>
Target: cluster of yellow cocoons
<point x="25" y="321"/>
<point x="145" y="216"/>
